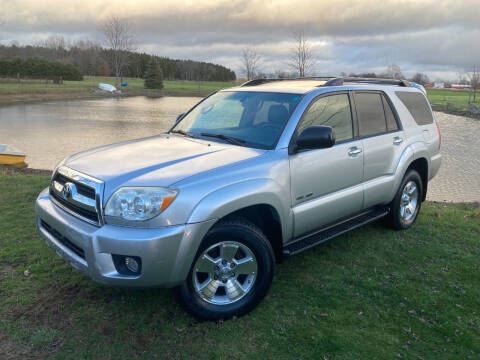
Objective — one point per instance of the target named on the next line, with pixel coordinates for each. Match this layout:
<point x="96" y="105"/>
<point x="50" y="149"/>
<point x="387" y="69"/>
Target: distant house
<point x="460" y="87"/>
<point x="439" y="85"/>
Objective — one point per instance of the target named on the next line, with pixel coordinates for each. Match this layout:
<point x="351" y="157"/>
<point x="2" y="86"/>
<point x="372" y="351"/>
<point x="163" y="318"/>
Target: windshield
<point x="253" y="119"/>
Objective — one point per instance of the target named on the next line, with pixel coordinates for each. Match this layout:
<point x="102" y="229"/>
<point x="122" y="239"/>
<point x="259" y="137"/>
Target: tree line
<point x="38" y="68"/>
<point x="92" y="59"/>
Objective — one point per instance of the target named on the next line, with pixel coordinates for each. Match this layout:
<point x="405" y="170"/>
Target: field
<point x="37" y="90"/>
<point x="371" y="294"/>
<point x="440" y="97"/>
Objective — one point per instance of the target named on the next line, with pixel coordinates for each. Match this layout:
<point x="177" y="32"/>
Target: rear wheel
<point x="231" y="273"/>
<point x="405" y="207"/>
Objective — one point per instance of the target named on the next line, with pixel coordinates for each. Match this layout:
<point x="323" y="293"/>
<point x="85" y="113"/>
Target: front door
<point x="326" y="184"/>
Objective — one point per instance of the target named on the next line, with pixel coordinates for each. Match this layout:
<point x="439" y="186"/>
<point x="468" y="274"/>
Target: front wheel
<point x="407" y="202"/>
<point x="231" y="273"/>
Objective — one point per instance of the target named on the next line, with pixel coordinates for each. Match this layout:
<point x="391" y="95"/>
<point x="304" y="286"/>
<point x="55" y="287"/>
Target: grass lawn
<point x="35" y="88"/>
<point x="440" y="97"/>
<point x="371" y="294"/>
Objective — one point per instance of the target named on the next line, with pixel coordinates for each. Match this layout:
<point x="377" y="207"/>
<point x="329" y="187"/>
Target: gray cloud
<point x="439" y="37"/>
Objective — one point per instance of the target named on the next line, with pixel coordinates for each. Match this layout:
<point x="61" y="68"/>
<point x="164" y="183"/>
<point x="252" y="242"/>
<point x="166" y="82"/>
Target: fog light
<point x="127" y="264"/>
<point x="131" y="264"/>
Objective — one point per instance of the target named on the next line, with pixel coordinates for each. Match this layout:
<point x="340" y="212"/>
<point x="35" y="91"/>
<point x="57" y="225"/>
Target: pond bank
<point x="13" y="92"/>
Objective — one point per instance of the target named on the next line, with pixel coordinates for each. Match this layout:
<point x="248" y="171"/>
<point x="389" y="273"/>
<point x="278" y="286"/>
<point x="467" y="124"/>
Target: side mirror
<point x="315" y="137"/>
<point x="179" y="117"/>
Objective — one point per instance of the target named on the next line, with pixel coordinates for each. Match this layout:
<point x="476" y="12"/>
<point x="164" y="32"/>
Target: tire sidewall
<point x="397" y="220"/>
<point x="250" y="236"/>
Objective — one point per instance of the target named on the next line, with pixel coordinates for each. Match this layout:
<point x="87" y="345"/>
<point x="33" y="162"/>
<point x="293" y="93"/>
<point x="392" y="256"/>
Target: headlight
<point x="139" y="203"/>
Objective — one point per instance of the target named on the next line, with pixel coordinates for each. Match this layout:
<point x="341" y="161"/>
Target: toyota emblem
<point x="68" y="190"/>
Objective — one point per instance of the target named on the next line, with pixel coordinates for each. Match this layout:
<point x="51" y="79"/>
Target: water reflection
<point x="48" y="132"/>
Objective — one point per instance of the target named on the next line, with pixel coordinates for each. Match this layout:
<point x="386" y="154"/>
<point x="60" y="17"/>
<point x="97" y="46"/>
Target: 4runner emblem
<point x="68" y="190"/>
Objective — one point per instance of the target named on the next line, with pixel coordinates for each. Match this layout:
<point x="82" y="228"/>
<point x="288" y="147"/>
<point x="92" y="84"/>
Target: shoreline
<point x="25" y="99"/>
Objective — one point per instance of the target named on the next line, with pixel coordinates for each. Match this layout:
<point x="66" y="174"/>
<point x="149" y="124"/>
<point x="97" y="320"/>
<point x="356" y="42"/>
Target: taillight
<point x="439" y="136"/>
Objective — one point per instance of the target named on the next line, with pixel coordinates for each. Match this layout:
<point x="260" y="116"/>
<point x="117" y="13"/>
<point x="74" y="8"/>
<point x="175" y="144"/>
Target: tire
<point x="231" y="273"/>
<point x="406" y="205"/>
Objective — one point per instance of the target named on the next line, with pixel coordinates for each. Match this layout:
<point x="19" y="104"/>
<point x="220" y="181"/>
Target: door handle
<point x="354" y="151"/>
<point x="397" y="140"/>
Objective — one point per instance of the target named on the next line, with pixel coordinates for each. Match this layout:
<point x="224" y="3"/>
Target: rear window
<point x="417" y="105"/>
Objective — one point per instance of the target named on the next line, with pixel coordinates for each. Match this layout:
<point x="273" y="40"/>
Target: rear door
<point x="383" y="142"/>
<point x="326" y="184"/>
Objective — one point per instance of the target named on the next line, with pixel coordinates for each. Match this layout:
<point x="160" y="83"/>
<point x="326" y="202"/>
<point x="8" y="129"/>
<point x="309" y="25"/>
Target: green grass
<point x="440" y="98"/>
<point x="370" y="294"/>
<point x="10" y="87"/>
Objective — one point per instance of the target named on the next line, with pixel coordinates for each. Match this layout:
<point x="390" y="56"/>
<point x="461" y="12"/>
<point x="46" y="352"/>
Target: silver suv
<point x="247" y="177"/>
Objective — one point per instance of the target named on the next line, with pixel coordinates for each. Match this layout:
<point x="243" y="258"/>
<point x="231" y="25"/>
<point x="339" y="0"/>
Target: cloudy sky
<point x="438" y="37"/>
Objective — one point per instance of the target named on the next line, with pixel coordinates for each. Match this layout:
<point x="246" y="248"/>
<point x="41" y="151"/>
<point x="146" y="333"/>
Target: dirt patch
<point x="11" y="350"/>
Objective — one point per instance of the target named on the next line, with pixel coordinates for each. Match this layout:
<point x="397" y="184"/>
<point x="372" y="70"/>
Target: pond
<point x="48" y="132"/>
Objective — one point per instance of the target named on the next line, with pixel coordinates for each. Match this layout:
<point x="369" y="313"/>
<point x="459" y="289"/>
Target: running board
<point x="335" y="230"/>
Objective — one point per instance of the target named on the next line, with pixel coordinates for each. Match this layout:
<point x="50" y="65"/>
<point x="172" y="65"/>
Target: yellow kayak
<point x="11" y="156"/>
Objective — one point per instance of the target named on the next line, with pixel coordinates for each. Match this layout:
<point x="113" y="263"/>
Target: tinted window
<point x="334" y="111"/>
<point x="391" y="121"/>
<point x="418" y="106"/>
<point x="371" y="116"/>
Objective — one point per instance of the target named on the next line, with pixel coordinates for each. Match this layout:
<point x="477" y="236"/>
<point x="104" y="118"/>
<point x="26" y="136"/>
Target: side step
<point x="332" y="231"/>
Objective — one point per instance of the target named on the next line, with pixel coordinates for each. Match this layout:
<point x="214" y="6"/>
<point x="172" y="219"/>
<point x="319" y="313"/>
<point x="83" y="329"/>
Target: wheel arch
<point x="420" y="165"/>
<point x="258" y="201"/>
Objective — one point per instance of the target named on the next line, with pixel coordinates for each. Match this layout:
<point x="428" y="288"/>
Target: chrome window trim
<point x="78" y="199"/>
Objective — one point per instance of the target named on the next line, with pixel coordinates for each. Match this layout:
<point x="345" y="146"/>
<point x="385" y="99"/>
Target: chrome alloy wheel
<point x="409" y="201"/>
<point x="224" y="273"/>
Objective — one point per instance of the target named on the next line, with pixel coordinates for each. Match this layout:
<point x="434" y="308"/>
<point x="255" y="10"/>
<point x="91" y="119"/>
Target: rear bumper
<point x="435" y="162"/>
<point x="167" y="253"/>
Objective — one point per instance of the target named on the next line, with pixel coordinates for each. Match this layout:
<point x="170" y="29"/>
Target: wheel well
<point x="421" y="166"/>
<point x="267" y="219"/>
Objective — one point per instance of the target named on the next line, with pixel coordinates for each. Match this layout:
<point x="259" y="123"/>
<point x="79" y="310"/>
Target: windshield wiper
<point x="230" y="139"/>
<point x="181" y="132"/>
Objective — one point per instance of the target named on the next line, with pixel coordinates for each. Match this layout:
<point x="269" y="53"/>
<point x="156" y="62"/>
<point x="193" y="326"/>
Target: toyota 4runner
<point x="248" y="176"/>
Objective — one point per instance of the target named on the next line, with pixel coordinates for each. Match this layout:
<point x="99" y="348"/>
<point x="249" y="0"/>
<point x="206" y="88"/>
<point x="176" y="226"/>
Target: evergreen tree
<point x="154" y="76"/>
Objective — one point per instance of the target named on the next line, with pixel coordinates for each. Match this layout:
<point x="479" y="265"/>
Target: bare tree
<point x="394" y="72"/>
<point x="250" y="62"/>
<point x="421" y="78"/>
<point x="302" y="57"/>
<point x="474" y="79"/>
<point x="119" y="39"/>
<point x="57" y="44"/>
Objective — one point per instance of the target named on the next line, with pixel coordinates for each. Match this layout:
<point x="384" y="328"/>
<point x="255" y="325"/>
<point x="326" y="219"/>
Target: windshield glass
<point x="253" y="119"/>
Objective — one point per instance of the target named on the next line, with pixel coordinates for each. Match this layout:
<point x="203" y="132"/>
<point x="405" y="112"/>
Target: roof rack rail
<point x="341" y="80"/>
<point x="256" y="82"/>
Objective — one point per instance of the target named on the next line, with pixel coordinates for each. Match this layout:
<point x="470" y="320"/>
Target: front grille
<point x="63" y="240"/>
<point x="89" y="214"/>
<point x="81" y="188"/>
<point x="77" y="194"/>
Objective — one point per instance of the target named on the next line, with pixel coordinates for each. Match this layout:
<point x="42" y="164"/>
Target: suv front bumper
<point x="167" y="253"/>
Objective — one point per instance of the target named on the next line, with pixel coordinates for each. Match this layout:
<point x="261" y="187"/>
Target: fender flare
<point x="411" y="153"/>
<point x="233" y="197"/>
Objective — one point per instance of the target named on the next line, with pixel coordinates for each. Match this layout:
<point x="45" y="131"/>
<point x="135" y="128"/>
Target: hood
<point x="156" y="161"/>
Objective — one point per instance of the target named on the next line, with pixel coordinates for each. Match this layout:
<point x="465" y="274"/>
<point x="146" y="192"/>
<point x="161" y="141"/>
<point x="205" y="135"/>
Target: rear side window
<point x="391" y="121"/>
<point x="371" y="116"/>
<point x="417" y="105"/>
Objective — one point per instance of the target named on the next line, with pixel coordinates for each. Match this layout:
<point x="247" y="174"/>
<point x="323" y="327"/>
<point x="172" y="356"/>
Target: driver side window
<point x="331" y="110"/>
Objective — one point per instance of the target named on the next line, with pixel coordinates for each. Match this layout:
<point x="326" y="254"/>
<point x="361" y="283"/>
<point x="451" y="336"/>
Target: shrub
<point x="153" y="76"/>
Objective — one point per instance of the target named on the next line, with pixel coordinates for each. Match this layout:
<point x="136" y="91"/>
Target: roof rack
<point x="379" y="81"/>
<point x="256" y="82"/>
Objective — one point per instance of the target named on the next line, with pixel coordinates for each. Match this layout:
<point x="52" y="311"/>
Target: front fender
<point x="233" y="197"/>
